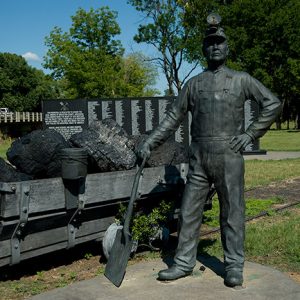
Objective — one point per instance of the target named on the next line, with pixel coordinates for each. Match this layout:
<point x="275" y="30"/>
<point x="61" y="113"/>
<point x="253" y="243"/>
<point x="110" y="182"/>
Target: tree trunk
<point x="278" y="123"/>
<point x="297" y="121"/>
<point x="170" y="89"/>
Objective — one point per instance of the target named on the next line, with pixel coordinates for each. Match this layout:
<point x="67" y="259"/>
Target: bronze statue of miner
<point x="215" y="98"/>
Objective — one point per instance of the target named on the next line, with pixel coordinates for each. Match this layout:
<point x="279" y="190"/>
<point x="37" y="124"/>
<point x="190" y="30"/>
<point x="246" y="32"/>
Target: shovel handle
<point x="133" y="197"/>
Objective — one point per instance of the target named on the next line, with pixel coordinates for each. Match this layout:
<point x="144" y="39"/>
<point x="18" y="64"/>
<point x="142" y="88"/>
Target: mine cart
<point x="45" y="215"/>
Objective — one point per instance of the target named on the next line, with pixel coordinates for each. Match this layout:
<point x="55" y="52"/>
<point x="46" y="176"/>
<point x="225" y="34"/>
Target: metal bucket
<point x="73" y="163"/>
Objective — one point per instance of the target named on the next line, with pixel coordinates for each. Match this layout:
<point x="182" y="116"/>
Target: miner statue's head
<point x="215" y="47"/>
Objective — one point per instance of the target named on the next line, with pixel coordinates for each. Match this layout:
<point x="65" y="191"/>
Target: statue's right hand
<point x="143" y="152"/>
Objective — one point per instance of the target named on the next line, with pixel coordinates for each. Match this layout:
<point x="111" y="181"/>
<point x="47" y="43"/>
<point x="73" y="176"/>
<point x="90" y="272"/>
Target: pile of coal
<point x="9" y="173"/>
<point x="169" y="153"/>
<point x="108" y="145"/>
<point x="38" y="153"/>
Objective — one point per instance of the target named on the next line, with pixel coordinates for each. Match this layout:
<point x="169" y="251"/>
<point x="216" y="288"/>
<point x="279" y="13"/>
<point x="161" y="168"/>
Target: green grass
<point x="276" y="241"/>
<point x="273" y="240"/>
<point x="259" y="172"/>
<point x="30" y="286"/>
<point x="281" y="140"/>
<point x="253" y="208"/>
<point x="4" y="145"/>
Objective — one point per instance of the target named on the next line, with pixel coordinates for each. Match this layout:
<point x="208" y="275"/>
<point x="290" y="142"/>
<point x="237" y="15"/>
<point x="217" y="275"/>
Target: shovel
<point x="120" y="252"/>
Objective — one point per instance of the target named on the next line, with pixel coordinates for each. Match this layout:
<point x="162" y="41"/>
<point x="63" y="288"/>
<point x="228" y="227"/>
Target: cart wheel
<point x="109" y="239"/>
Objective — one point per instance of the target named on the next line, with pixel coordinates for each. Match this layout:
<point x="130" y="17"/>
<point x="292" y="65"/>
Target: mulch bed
<point x="287" y="190"/>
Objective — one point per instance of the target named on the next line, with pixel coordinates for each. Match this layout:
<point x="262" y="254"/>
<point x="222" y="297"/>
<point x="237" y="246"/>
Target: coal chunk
<point x="9" y="174"/>
<point x="169" y="153"/>
<point x="108" y="145"/>
<point x="38" y="153"/>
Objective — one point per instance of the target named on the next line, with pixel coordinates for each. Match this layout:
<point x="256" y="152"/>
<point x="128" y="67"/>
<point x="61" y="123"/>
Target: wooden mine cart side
<point x="42" y="216"/>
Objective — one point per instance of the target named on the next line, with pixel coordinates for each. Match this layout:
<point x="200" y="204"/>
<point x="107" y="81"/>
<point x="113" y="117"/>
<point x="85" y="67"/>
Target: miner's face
<point x="215" y="49"/>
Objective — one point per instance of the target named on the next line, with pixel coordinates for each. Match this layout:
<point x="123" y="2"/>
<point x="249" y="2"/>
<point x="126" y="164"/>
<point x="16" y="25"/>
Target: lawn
<point x="263" y="172"/>
<point x="259" y="173"/>
<point x="4" y="145"/>
<point x="273" y="240"/>
<point x="281" y="140"/>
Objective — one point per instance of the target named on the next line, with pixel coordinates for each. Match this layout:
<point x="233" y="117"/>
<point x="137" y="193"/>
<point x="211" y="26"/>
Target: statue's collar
<point x="217" y="70"/>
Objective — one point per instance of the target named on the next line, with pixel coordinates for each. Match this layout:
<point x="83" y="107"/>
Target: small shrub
<point x="145" y="226"/>
<point x="88" y="256"/>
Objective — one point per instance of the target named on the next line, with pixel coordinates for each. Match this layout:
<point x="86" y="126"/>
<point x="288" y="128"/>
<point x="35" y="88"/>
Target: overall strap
<point x="228" y="82"/>
<point x="200" y="85"/>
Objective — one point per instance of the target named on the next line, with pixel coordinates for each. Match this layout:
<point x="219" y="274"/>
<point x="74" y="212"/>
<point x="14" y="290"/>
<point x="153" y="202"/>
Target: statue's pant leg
<point x="229" y="183"/>
<point x="191" y="212"/>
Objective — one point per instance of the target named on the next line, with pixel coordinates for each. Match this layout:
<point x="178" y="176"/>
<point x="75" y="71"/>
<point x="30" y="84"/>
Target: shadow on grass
<point x="32" y="266"/>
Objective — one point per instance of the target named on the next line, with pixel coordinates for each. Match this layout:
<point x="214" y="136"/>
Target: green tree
<point x="138" y="76"/>
<point x="195" y="15"/>
<point x="264" y="40"/>
<point x="87" y="57"/>
<point x="23" y="87"/>
<point x="165" y="30"/>
<point x="96" y="29"/>
<point x="89" y="61"/>
<point x="268" y="45"/>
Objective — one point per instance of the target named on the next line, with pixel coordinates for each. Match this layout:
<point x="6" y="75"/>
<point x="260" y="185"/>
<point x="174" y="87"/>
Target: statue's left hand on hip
<point x="240" y="142"/>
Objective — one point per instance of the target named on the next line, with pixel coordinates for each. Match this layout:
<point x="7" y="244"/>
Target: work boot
<point x="233" y="278"/>
<point x="172" y="273"/>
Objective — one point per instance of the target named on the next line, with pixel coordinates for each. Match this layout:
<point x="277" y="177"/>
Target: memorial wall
<point x="136" y="115"/>
<point x="65" y="116"/>
<point x="251" y="110"/>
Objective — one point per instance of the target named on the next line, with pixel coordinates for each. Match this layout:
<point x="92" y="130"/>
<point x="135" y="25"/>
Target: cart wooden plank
<point x="48" y="194"/>
<point x="57" y="238"/>
<point x="46" y="224"/>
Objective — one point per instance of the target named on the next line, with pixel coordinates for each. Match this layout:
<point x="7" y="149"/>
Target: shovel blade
<point x="118" y="258"/>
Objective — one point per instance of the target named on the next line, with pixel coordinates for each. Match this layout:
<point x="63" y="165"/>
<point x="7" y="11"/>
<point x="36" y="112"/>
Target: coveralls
<point x="216" y="100"/>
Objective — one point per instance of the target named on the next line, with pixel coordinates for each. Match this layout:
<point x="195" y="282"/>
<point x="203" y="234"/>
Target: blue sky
<point x="25" y="24"/>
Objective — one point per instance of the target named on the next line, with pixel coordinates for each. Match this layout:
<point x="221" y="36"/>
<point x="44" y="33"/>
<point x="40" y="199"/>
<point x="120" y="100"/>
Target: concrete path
<point x="261" y="283"/>
<point x="275" y="155"/>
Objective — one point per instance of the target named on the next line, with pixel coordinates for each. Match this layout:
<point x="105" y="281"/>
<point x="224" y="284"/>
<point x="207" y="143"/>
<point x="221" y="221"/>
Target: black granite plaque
<point x="120" y="113"/>
<point x="126" y="111"/>
<point x="136" y="115"/>
<point x="108" y="110"/>
<point x="251" y="114"/>
<point x="151" y="114"/>
<point x="94" y="110"/>
<point x="163" y="105"/>
<point x="182" y="135"/>
<point x="65" y="116"/>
